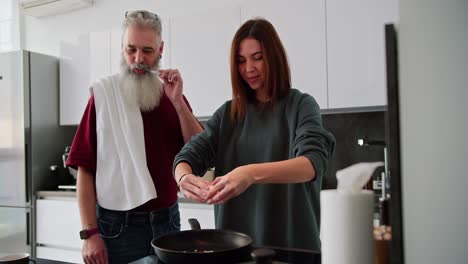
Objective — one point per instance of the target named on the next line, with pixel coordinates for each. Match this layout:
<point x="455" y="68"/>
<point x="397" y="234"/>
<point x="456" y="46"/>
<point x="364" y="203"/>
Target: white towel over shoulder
<point x="123" y="180"/>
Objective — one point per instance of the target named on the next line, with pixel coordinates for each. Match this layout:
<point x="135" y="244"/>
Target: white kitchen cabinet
<point x="200" y="48"/>
<point x="356" y="51"/>
<point x="57" y="228"/>
<point x="301" y="27"/>
<point x="115" y="50"/>
<point x="99" y="55"/>
<point x="204" y="213"/>
<point x="74" y="80"/>
<point x="72" y="256"/>
<point x="80" y="65"/>
<point x="166" y="37"/>
<point x="58" y="224"/>
<point x="335" y="49"/>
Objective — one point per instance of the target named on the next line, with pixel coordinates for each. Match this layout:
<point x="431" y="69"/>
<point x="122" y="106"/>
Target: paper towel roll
<point x="346" y="232"/>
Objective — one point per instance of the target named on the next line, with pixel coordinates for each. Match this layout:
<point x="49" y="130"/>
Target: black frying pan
<point x="203" y="246"/>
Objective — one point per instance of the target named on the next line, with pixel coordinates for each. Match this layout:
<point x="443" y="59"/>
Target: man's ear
<point x="161" y="48"/>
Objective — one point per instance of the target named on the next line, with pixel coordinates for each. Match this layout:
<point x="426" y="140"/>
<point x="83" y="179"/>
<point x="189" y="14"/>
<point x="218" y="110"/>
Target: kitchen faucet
<point x="386" y="173"/>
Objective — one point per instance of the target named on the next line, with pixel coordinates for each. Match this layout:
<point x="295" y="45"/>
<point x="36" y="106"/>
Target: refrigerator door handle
<point x="28" y="229"/>
<point x="26" y="171"/>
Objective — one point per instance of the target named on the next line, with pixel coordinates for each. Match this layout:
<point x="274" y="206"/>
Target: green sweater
<point x="281" y="215"/>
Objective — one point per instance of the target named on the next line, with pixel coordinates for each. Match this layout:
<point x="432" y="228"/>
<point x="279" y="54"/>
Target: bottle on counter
<point x="383" y="235"/>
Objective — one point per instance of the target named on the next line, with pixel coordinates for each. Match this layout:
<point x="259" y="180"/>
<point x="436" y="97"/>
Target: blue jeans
<point x="128" y="235"/>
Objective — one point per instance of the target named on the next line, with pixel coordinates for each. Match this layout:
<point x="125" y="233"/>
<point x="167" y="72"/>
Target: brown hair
<point x="278" y="75"/>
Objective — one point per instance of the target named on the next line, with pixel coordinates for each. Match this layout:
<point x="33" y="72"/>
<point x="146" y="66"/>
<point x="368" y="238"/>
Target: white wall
<point x="433" y="54"/>
<point x="9" y="26"/>
<point x="44" y="34"/>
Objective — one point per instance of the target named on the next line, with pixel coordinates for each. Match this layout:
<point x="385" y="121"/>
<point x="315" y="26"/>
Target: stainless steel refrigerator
<point x="31" y="140"/>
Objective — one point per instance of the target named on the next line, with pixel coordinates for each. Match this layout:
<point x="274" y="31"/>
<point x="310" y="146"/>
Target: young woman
<point x="267" y="145"/>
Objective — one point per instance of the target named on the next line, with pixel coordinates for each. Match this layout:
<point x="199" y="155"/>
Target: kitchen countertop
<point x="209" y="175"/>
<point x="48" y="261"/>
<point x="72" y="194"/>
<point x="58" y="193"/>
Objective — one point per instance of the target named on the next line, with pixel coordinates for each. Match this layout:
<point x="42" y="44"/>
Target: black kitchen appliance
<point x="71" y="174"/>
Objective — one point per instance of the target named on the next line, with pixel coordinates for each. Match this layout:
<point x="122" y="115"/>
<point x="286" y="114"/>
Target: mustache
<point x="144" y="67"/>
<point x="129" y="69"/>
<point x="140" y="66"/>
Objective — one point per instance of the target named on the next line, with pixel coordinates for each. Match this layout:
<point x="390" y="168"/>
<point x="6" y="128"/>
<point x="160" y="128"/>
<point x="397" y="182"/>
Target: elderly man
<point x="132" y="128"/>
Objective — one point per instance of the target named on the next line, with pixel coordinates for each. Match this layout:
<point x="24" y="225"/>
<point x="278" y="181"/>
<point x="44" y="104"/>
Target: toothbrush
<point x="152" y="71"/>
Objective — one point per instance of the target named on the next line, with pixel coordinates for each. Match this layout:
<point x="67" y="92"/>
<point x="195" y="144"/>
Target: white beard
<point x="143" y="90"/>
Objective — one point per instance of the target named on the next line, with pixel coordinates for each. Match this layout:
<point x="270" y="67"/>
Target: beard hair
<point x="144" y="90"/>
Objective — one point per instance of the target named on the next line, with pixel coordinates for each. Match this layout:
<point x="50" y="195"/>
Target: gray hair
<point x="144" y="19"/>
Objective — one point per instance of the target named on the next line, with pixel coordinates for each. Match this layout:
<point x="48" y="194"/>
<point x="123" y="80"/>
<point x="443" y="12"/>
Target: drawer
<point x="58" y="223"/>
<point x="72" y="256"/>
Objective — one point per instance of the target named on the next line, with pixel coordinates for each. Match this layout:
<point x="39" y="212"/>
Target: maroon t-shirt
<point x="163" y="140"/>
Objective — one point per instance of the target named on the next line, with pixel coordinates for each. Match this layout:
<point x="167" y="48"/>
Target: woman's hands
<point x="223" y="188"/>
<point x="220" y="190"/>
<point x="230" y="185"/>
<point x="194" y="187"/>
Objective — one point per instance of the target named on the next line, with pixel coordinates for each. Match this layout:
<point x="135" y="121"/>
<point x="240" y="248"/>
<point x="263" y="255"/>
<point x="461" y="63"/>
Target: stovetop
<point x="285" y="256"/>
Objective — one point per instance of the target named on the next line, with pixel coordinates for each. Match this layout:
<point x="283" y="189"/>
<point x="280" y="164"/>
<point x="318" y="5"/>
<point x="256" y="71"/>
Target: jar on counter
<point x="383" y="237"/>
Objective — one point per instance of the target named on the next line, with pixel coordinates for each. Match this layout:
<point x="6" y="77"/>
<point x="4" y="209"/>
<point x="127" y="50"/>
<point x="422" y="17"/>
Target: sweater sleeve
<point x="200" y="151"/>
<point x="311" y="139"/>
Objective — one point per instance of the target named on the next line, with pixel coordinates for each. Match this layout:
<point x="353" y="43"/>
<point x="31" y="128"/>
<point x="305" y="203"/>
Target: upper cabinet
<point x="356" y="51"/>
<point x="200" y="48"/>
<point x="115" y="50"/>
<point x="80" y="65"/>
<point x="301" y="27"/>
<point x="335" y="49"/>
<point x="99" y="55"/>
<point x="74" y="80"/>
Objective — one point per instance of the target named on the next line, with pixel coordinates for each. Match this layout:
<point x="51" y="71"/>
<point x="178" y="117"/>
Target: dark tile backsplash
<point x="347" y="129"/>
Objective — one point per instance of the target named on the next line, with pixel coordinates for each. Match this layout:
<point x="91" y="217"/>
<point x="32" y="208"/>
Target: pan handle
<point x="263" y="255"/>
<point x="194" y="224"/>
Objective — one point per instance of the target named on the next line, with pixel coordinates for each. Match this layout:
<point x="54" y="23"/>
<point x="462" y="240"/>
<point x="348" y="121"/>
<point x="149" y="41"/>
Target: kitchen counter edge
<point x="72" y="194"/>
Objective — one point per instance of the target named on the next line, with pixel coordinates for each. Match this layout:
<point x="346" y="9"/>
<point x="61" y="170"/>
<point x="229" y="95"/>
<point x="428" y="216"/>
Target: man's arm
<point x="188" y="122"/>
<point x="94" y="250"/>
<point x="173" y="86"/>
<point x="86" y="194"/>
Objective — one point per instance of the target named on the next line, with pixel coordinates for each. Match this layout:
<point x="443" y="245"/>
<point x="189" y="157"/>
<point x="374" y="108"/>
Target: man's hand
<point x="173" y="85"/>
<point x="94" y="250"/>
<point x="194" y="188"/>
